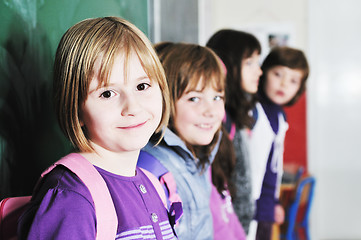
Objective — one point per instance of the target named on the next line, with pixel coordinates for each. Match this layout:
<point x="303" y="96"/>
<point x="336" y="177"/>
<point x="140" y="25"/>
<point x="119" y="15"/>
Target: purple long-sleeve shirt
<point x="63" y="208"/>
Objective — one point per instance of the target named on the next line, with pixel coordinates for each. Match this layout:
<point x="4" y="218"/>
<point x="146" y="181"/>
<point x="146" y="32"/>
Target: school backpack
<point x="166" y="181"/>
<point x="107" y="221"/>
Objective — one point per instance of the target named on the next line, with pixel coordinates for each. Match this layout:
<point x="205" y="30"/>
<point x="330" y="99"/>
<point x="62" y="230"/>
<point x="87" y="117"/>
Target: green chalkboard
<point x="30" y="138"/>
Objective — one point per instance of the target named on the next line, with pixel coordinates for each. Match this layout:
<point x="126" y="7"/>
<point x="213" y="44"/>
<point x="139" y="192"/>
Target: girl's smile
<point x="134" y="126"/>
<point x="205" y="126"/>
<point x="123" y="115"/>
<point x="199" y="114"/>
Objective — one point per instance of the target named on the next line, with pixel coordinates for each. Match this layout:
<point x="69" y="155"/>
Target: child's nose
<point x="130" y="105"/>
<point x="208" y="108"/>
<point x="283" y="82"/>
<point x="259" y="70"/>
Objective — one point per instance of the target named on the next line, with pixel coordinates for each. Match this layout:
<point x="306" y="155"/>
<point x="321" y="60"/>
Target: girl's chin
<point x="278" y="100"/>
<point x="204" y="142"/>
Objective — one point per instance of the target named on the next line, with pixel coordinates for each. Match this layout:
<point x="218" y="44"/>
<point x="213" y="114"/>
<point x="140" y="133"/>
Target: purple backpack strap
<point x="148" y="162"/>
<point x="107" y="221"/>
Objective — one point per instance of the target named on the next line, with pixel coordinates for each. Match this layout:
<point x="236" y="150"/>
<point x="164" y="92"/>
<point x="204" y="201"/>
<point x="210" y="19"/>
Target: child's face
<point x="282" y="84"/>
<point x="251" y="73"/>
<point x="199" y="114"/>
<point x="123" y="115"/>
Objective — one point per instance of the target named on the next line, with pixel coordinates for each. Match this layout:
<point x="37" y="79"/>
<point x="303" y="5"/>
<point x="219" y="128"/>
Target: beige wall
<point x="242" y="13"/>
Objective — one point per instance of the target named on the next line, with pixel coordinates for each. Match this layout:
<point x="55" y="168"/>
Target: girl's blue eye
<point x="194" y="99"/>
<point x="143" y="86"/>
<point x="218" y="98"/>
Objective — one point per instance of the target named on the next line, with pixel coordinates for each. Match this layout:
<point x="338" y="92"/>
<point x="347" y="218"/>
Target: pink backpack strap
<point x="107" y="221"/>
<point x="175" y="200"/>
<point x="233" y="131"/>
<point x="171" y="185"/>
<point x="157" y="186"/>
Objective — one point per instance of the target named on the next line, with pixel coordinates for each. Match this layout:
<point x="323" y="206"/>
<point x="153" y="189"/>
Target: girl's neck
<point x="120" y="163"/>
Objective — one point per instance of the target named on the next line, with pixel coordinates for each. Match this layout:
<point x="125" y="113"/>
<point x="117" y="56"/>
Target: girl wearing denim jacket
<point x="196" y="80"/>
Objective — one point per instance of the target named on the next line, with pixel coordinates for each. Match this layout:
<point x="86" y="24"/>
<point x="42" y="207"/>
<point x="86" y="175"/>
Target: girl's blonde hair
<point x="84" y="43"/>
<point x="185" y="66"/>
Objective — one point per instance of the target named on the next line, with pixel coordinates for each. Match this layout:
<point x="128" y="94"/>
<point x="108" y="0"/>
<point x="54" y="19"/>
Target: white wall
<point x="329" y="31"/>
<point x="334" y="132"/>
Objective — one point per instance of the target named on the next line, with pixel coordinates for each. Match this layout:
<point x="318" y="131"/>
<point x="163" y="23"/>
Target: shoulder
<point x="150" y="163"/>
<point x="256" y="110"/>
<point x="62" y="179"/>
<point x="62" y="201"/>
<point x="154" y="153"/>
<point x="164" y="153"/>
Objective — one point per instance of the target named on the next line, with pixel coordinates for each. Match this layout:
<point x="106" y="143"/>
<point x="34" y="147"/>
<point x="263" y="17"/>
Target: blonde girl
<point x="110" y="96"/>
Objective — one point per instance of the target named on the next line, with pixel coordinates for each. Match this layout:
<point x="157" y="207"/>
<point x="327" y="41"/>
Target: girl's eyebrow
<point x="142" y="77"/>
<point x="95" y="89"/>
<point x="193" y="90"/>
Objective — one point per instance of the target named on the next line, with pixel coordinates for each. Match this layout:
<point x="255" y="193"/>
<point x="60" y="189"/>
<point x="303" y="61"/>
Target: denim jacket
<point x="193" y="186"/>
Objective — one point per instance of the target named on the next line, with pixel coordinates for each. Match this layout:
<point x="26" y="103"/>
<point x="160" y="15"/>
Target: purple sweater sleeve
<point x="71" y="213"/>
<point x="62" y="209"/>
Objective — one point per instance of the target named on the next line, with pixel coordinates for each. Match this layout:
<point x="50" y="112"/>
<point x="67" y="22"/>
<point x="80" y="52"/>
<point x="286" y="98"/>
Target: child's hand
<point x="279" y="214"/>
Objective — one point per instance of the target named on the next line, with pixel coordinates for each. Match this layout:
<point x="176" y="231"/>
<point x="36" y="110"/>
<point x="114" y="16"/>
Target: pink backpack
<point x="107" y="221"/>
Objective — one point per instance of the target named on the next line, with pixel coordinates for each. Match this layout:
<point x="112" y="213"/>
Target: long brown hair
<point x="185" y="65"/>
<point x="232" y="47"/>
<point x="223" y="165"/>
